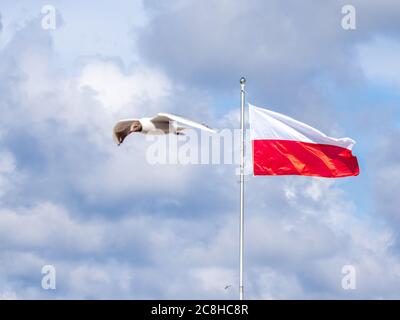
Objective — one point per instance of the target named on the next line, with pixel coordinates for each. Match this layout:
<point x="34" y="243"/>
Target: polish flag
<point x="284" y="146"/>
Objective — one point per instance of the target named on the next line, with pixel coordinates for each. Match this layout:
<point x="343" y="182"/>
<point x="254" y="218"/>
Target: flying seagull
<point x="162" y="123"/>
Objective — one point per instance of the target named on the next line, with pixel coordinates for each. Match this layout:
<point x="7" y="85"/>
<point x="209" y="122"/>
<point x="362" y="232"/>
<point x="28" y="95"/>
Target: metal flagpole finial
<point x="242" y="80"/>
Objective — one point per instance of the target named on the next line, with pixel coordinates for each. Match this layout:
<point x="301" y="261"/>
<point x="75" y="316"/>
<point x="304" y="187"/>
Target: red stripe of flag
<point x="287" y="157"/>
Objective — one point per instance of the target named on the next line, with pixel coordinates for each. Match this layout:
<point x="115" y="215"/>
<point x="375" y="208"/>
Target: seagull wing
<point x="161" y="117"/>
<point x="122" y="130"/>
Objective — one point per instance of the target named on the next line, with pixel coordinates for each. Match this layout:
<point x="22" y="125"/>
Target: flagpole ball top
<point x="242" y="80"/>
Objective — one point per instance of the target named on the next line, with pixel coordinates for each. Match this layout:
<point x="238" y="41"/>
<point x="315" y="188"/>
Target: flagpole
<point x="242" y="152"/>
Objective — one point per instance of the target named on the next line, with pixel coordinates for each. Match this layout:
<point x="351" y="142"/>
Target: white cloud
<point x="116" y="90"/>
<point x="379" y="61"/>
<point x="149" y="256"/>
<point x="8" y="295"/>
<point x="213" y="280"/>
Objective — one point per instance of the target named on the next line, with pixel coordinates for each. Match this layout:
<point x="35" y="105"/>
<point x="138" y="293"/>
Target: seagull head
<point x="136" y="126"/>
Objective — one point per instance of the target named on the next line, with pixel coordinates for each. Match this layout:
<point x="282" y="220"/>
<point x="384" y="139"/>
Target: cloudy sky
<point x="115" y="226"/>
